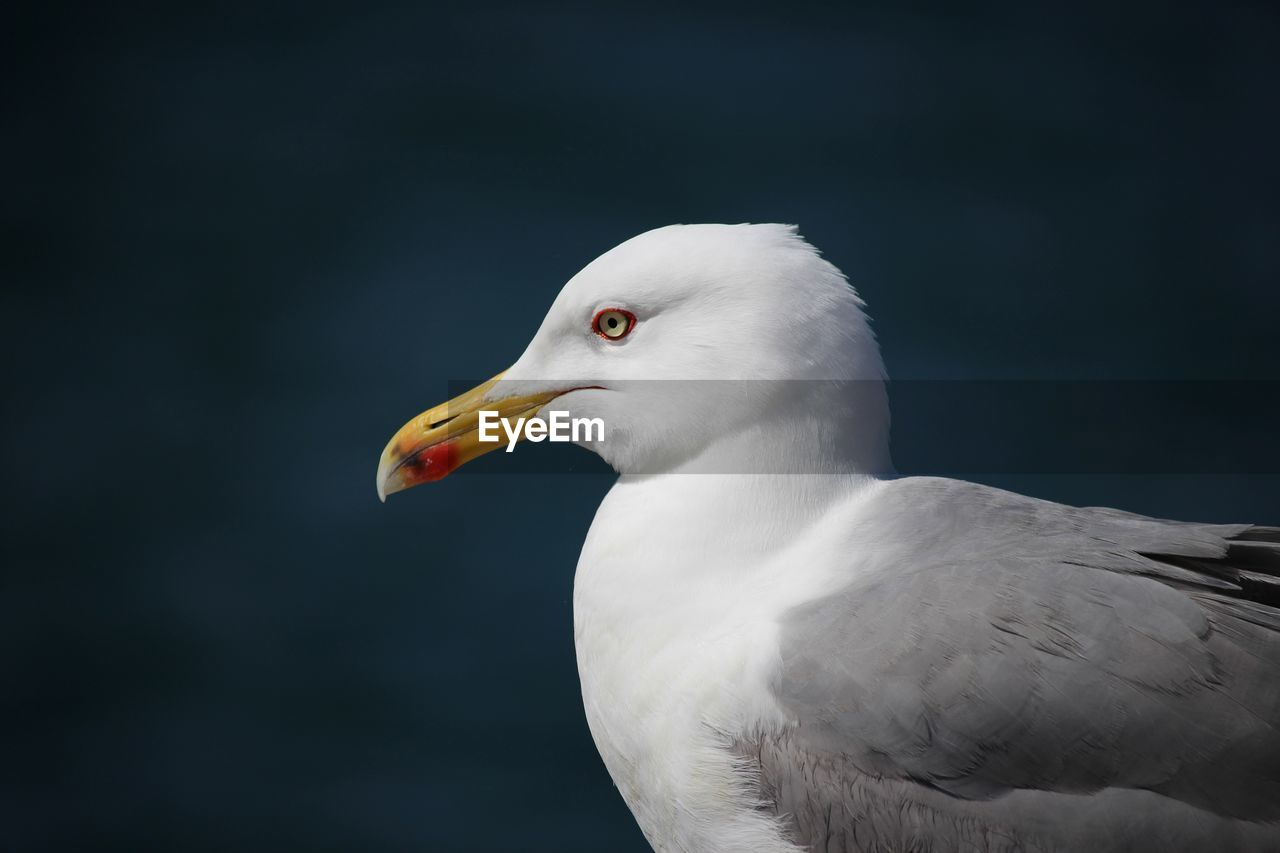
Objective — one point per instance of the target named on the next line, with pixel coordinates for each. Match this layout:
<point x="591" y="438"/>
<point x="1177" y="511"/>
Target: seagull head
<point x="689" y="343"/>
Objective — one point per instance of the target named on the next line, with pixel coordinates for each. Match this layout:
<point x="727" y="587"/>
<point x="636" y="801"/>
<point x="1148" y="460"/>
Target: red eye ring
<point x="613" y="324"/>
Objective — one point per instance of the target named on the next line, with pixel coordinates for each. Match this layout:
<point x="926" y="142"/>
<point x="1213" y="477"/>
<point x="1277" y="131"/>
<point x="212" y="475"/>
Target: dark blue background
<point x="243" y="244"/>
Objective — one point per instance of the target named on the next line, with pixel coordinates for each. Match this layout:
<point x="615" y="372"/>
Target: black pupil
<point x="613" y="321"/>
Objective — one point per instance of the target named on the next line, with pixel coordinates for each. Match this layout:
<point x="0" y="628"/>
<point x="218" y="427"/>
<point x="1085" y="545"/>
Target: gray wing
<point x="1002" y="665"/>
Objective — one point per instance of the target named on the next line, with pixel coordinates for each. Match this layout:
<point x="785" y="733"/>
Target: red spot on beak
<point x="430" y="464"/>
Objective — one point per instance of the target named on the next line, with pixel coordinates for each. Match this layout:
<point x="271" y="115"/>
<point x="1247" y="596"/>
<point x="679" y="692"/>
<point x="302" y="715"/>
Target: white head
<point x="695" y="344"/>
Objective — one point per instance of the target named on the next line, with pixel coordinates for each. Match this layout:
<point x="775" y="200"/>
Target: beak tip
<point x="381" y="482"/>
<point x="437" y="441"/>
<point x="391" y="479"/>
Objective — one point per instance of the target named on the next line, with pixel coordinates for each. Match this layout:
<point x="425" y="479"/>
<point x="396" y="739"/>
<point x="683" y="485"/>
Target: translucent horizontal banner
<point x="941" y="427"/>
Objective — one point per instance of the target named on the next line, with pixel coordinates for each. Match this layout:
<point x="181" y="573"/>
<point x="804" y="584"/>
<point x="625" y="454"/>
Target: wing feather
<point x="994" y="644"/>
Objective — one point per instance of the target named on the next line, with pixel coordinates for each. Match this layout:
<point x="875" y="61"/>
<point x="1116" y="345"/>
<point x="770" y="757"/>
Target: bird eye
<point x="613" y="323"/>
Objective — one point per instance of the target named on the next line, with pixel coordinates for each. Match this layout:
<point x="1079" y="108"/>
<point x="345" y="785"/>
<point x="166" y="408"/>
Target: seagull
<point x="783" y="646"/>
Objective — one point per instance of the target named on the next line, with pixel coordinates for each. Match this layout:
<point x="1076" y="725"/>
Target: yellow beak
<point x="444" y="438"/>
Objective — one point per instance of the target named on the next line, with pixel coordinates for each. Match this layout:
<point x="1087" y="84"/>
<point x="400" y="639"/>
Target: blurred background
<point x="243" y="243"/>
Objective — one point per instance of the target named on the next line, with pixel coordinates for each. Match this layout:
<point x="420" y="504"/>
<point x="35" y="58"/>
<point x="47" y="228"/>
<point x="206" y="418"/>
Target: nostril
<point x="442" y="421"/>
